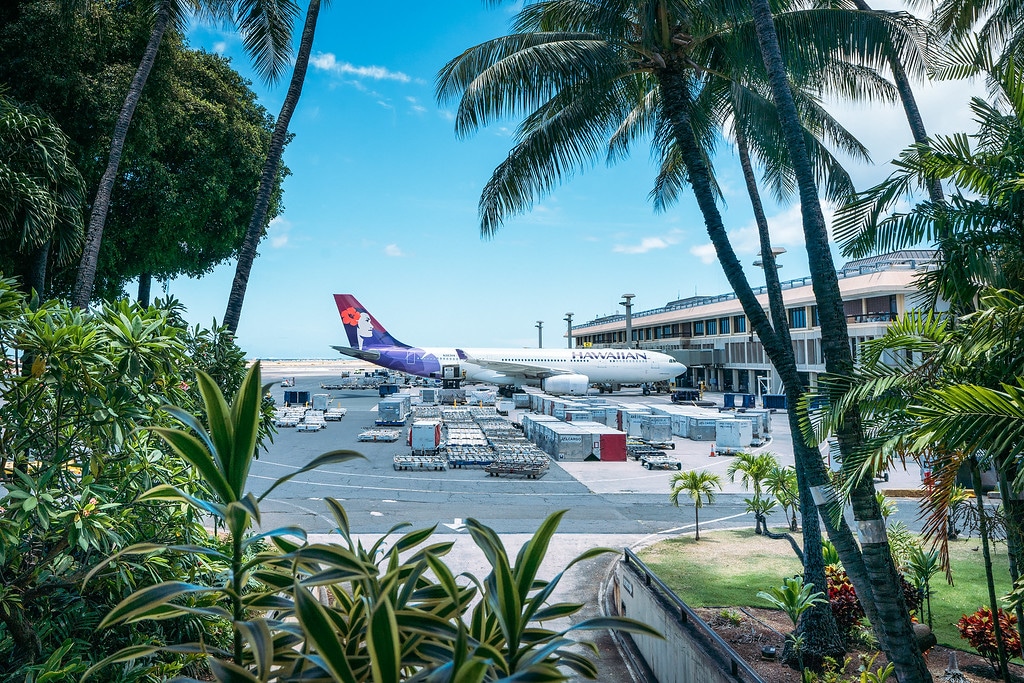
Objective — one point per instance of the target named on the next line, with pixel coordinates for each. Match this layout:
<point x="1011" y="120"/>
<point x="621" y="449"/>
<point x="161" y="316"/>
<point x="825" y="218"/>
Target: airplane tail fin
<point x="363" y="330"/>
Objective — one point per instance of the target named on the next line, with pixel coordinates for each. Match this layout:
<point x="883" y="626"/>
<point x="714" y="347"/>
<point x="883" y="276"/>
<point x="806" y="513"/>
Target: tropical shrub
<point x="846" y="605"/>
<point x="74" y="389"/>
<point x="978" y="629"/>
<point x="843" y="599"/>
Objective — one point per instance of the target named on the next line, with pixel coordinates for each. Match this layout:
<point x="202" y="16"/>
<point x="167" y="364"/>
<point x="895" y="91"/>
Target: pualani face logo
<point x="609" y="355"/>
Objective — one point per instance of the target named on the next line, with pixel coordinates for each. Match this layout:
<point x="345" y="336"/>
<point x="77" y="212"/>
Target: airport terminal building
<point x="711" y="336"/>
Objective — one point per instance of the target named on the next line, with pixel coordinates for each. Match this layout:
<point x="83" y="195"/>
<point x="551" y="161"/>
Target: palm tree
<point x="258" y="222"/>
<point x="584" y="72"/>
<point x="755" y="470"/>
<point x="700" y="487"/>
<point x="782" y="483"/>
<point x="893" y="617"/>
<point x="41" y="191"/>
<point x="266" y="32"/>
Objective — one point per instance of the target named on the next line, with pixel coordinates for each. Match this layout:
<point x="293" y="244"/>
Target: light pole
<point x="770" y="281"/>
<point x="540" y="334"/>
<point x="568" y="320"/>
<point x="628" y="303"/>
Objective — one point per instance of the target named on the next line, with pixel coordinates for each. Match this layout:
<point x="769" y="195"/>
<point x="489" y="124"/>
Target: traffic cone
<point x="713" y="454"/>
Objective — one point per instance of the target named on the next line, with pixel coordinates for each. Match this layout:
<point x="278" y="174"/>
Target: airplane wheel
<point x="647" y="465"/>
<point x="679" y="465"/>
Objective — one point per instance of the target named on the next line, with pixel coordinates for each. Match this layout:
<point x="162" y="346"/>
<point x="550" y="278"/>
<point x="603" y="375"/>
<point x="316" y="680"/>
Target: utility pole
<point x="540" y="334"/>
<point x="628" y="303"/>
<point x="568" y="320"/>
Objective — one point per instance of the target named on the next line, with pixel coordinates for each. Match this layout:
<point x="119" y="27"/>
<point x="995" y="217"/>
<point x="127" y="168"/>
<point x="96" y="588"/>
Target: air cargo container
<point x="732" y="436"/>
<point x="426" y="437"/>
<point x="320" y="401"/>
<point x="700" y="428"/>
<point x="656" y="429"/>
<point x="392" y="411"/>
<point x="521" y="399"/>
<point x="577" y="415"/>
<point x="296" y="398"/>
<point x="428" y="396"/>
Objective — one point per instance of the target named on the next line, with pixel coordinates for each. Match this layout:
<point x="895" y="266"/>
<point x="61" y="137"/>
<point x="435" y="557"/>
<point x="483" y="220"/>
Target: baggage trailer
<point x="530" y="467"/>
<point x="660" y="462"/>
<point x="437" y="463"/>
<point x="386" y="435"/>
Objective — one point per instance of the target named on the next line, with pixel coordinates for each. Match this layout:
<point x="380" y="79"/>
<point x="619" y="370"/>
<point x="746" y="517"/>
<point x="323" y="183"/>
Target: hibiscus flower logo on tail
<point x="350" y="316"/>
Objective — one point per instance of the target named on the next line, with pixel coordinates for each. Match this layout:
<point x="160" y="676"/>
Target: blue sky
<point x="382" y="203"/>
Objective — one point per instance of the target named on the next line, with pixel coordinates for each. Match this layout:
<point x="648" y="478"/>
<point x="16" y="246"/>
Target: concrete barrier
<point x="691" y="651"/>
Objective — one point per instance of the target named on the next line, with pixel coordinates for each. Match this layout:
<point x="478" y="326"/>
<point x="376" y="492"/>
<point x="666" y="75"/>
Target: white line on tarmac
<point x="647" y="539"/>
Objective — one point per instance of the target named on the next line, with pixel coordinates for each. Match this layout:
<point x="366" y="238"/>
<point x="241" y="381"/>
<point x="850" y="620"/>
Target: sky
<point x="382" y="203"/>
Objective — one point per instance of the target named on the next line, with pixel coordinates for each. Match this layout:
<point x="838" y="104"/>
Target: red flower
<point x="350" y="316"/>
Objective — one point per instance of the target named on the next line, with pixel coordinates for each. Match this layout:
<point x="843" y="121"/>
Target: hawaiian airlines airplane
<point x="557" y="371"/>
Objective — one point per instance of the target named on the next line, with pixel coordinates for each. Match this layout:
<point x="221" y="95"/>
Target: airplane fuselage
<point x="627" y="366"/>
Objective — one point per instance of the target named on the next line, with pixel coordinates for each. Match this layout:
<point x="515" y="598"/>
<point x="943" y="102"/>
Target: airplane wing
<point x="371" y="356"/>
<point x="510" y="369"/>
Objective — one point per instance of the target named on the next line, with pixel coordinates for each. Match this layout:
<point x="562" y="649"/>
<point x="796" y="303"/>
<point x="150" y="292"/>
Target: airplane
<point x="556" y="371"/>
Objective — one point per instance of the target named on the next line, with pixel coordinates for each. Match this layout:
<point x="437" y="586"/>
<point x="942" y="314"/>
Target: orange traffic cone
<point x="713" y="454"/>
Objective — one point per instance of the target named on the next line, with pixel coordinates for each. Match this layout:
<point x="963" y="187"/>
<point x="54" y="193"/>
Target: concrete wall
<point x="689" y="653"/>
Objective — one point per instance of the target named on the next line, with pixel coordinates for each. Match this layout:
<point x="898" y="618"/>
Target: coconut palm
<point x="892" y="617"/>
<point x="266" y="33"/>
<point x="782" y="483"/>
<point x="258" y="222"/>
<point x="586" y="72"/>
<point x="700" y="486"/>
<point x="754" y="471"/>
<point x="41" y="191"/>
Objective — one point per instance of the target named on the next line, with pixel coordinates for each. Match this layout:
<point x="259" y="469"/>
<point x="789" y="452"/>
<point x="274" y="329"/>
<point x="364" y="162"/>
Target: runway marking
<point x="646" y="539"/>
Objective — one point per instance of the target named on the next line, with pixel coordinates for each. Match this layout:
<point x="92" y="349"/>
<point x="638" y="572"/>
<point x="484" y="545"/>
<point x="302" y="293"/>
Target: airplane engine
<point x="576" y="385"/>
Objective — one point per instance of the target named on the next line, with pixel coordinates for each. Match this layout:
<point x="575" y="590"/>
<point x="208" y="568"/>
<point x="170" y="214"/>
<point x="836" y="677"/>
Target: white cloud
<point x="279" y="230"/>
<point x="705" y="252"/>
<point x="220" y="47"/>
<point x="447" y="115"/>
<point x="786" y="229"/>
<point x="415" y="105"/>
<point x="328" y="62"/>
<point x="393" y="250"/>
<point x="648" y="244"/>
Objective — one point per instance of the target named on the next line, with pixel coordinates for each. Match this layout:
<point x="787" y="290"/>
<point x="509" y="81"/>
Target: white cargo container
<point x="732" y="436"/>
<point x="428" y="396"/>
<point x="504" y="406"/>
<point x="320" y="401"/>
<point x="656" y="429"/>
<point x="426" y="437"/>
<point x="392" y="411"/>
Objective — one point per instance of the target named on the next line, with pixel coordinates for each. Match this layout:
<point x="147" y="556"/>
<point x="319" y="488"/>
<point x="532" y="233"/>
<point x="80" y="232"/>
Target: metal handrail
<point x="736" y="663"/>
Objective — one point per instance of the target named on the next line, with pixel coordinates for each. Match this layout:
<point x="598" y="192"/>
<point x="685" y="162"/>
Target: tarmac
<point x="583" y="583"/>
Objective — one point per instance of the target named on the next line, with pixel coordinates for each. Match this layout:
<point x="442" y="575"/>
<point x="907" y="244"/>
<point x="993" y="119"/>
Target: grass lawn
<point x="728" y="568"/>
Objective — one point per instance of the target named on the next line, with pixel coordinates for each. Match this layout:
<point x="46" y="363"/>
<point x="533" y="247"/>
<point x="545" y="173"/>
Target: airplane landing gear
<point x="647" y="390"/>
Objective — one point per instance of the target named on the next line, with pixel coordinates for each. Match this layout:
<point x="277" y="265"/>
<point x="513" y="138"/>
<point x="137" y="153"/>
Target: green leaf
<point x="193" y="450"/>
<point x="136" y="605"/>
<point x="321" y="634"/>
<point x="384" y="645"/>
<point x="261" y="645"/>
<point x="229" y="672"/>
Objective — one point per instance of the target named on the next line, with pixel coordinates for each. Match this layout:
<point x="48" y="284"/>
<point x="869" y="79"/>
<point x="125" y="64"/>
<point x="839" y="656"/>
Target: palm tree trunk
<point x="696" y="523"/>
<point x="822" y="633"/>
<point x="271" y="168"/>
<point x="979" y="497"/>
<point x="101" y="204"/>
<point x="35" y="270"/>
<point x="910" y="108"/>
<point x="1012" y="508"/>
<point x="893" y="615"/>
<point x="145" y="286"/>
